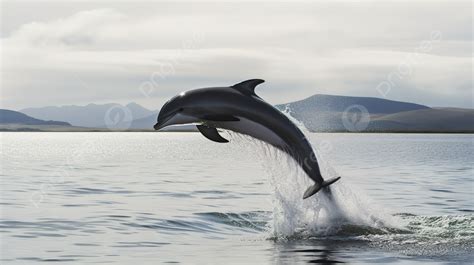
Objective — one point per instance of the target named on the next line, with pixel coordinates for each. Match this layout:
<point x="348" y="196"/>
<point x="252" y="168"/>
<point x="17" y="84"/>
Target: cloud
<point x="80" y="29"/>
<point x="107" y="55"/>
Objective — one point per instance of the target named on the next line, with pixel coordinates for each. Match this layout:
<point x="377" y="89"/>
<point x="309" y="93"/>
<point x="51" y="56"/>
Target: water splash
<point x="322" y="215"/>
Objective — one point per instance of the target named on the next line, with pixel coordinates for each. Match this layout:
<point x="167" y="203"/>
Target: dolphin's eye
<point x="181" y="109"/>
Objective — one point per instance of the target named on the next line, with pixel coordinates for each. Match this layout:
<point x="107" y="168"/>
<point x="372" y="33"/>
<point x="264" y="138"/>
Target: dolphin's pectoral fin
<point x="248" y="87"/>
<point x="317" y="186"/>
<point x="211" y="133"/>
<point x="218" y="117"/>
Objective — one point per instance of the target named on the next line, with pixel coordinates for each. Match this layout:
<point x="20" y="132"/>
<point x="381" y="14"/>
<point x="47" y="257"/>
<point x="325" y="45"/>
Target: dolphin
<point x="239" y="109"/>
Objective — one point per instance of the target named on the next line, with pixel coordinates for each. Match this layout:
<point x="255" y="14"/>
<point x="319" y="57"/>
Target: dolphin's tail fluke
<point x="317" y="186"/>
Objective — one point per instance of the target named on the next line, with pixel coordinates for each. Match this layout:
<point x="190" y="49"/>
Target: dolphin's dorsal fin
<point x="211" y="133"/>
<point x="248" y="87"/>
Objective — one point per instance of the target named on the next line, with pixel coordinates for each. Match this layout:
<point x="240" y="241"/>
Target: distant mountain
<point x="93" y="115"/>
<point x="327" y="113"/>
<point x="15" y="117"/>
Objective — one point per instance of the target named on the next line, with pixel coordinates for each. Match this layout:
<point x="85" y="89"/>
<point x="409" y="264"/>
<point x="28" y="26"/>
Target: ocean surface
<point x="169" y="198"/>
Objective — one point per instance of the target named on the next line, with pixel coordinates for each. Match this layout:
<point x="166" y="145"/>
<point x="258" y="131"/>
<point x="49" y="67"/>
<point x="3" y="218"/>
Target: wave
<point x="416" y="230"/>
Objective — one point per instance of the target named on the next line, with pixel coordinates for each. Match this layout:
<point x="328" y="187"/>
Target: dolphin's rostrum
<point x="238" y="108"/>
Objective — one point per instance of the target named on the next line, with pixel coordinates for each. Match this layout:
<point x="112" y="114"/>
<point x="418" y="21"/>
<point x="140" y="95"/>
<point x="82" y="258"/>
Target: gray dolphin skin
<point x="239" y="109"/>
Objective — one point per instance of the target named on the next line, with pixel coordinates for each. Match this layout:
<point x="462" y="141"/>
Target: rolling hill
<point x="440" y="119"/>
<point x="327" y="113"/>
<point x="15" y="117"/>
<point x="330" y="103"/>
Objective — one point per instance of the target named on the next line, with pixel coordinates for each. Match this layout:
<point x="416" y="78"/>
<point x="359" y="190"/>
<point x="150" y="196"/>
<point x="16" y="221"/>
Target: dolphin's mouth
<point x="163" y="122"/>
<point x="157" y="126"/>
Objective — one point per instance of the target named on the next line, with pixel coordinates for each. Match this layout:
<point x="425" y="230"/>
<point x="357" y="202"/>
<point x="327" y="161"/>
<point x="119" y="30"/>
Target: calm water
<point x="149" y="198"/>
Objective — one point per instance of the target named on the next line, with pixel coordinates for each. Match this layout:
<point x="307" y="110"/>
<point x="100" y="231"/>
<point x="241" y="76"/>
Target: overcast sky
<point x="56" y="53"/>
